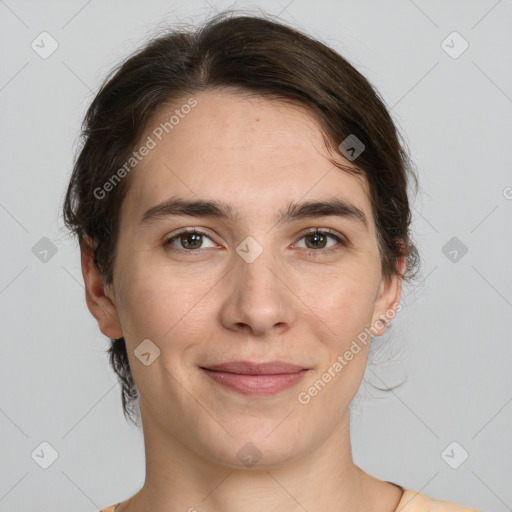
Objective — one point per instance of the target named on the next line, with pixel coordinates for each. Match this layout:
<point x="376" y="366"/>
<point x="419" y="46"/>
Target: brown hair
<point x="252" y="54"/>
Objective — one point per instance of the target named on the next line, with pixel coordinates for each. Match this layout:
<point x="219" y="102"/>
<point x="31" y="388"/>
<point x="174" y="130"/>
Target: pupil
<point x="196" y="240"/>
<point x="317" y="237"/>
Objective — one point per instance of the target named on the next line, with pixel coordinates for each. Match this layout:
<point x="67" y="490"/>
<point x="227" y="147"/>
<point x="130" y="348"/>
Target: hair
<point x="244" y="53"/>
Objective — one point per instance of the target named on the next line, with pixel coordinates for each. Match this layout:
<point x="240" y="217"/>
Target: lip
<point x="257" y="379"/>
<point x="254" y="368"/>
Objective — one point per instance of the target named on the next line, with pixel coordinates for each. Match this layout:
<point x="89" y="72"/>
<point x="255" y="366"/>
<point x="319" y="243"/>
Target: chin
<point x="256" y="448"/>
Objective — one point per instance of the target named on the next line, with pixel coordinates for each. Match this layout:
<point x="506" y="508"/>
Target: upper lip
<point x="254" y="368"/>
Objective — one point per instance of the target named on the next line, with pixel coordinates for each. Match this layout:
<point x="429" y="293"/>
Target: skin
<point x="211" y="306"/>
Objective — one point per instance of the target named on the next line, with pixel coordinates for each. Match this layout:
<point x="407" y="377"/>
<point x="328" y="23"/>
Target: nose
<point x="259" y="298"/>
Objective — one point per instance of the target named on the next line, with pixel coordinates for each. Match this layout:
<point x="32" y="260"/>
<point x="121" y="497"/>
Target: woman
<point x="241" y="205"/>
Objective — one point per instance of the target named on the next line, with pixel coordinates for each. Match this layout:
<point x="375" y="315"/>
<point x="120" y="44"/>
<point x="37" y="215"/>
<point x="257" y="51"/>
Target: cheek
<point x="160" y="302"/>
<point x="344" y="301"/>
<point x="165" y="311"/>
<point x="343" y="310"/>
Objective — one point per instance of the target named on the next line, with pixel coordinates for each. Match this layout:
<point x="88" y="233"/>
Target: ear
<point x="388" y="299"/>
<point x="99" y="303"/>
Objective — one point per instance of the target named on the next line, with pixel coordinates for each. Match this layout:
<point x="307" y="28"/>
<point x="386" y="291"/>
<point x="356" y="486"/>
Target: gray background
<point x="452" y="339"/>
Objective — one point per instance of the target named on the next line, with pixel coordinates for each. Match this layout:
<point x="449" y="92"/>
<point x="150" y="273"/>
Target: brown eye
<point x="191" y="240"/>
<point x="317" y="241"/>
<point x="188" y="240"/>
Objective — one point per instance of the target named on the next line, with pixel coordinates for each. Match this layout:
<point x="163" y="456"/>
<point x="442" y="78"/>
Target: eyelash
<point x="314" y="252"/>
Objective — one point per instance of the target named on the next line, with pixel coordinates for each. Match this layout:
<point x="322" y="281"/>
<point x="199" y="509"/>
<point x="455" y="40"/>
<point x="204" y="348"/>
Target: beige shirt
<point x="412" y="501"/>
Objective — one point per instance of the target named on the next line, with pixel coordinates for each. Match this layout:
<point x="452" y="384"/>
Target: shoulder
<point x="413" y="501"/>
<point x="109" y="509"/>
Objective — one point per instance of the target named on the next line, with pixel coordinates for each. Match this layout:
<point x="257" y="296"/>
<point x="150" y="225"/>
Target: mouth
<point x="257" y="379"/>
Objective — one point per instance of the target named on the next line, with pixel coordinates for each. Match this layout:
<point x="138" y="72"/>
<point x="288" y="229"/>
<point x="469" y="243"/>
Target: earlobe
<point x="98" y="301"/>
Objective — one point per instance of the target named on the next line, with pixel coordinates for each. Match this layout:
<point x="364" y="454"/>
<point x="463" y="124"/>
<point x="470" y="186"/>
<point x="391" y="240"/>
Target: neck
<point x="326" y="479"/>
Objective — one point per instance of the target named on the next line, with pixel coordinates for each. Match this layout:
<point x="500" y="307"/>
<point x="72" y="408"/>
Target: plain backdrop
<point x="446" y="431"/>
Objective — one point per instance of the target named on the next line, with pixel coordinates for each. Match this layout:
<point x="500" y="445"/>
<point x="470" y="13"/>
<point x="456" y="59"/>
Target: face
<point x="255" y="284"/>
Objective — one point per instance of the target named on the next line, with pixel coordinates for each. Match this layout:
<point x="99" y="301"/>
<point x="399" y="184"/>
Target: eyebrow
<point x="218" y="210"/>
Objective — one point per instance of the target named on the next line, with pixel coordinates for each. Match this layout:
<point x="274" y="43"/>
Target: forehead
<point x="255" y="153"/>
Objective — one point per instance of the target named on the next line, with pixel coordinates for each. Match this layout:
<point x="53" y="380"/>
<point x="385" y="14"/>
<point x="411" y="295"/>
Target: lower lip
<point x="256" y="385"/>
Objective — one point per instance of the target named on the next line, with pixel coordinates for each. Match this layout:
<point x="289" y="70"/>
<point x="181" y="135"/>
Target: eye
<point x="189" y="239"/>
<point x="317" y="241"/>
